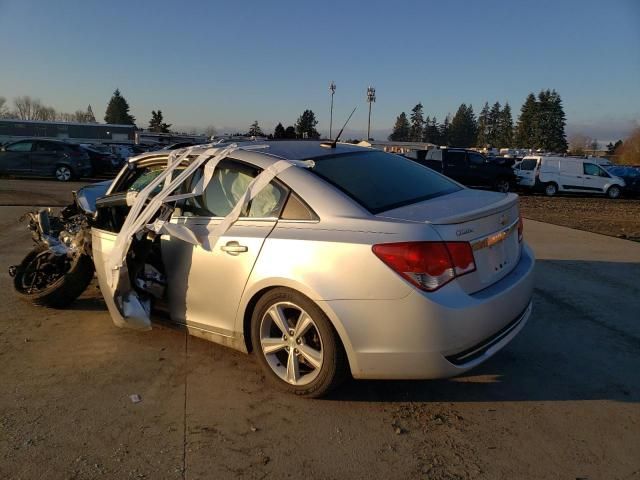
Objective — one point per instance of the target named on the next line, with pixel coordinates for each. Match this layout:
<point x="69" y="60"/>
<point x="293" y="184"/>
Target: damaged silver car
<point x="323" y="259"/>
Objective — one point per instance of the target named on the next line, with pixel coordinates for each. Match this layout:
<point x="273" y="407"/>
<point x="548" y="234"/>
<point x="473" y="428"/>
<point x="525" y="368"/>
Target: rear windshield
<point x="380" y="181"/>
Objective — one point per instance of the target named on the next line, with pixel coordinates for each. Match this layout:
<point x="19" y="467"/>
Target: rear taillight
<point x="427" y="265"/>
<point x="520" y="229"/>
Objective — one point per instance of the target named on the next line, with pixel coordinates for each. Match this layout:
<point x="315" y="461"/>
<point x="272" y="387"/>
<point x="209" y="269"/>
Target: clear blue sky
<point x="227" y="64"/>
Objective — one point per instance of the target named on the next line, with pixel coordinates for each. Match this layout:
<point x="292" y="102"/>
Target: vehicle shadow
<point x="582" y="342"/>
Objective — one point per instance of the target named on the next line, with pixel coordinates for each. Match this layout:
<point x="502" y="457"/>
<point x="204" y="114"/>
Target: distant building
<point x="12" y="129"/>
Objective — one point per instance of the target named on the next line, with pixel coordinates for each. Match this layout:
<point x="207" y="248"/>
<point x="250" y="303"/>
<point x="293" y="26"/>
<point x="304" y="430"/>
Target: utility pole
<point x="371" y="98"/>
<point x="332" y="89"/>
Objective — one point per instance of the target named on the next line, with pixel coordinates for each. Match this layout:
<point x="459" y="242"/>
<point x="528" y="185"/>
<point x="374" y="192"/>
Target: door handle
<point x="233" y="248"/>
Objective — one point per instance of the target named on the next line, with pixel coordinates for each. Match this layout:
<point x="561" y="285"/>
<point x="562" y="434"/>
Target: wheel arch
<point x="250" y="300"/>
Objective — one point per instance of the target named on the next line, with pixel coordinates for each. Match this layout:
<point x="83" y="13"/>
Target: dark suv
<point x="468" y="167"/>
<point x="61" y="160"/>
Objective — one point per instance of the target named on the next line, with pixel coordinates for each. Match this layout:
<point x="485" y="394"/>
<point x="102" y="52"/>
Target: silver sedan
<point x="365" y="263"/>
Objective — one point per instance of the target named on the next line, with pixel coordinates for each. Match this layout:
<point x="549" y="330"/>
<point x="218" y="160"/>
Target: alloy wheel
<point x="63" y="173"/>
<point x="291" y="343"/>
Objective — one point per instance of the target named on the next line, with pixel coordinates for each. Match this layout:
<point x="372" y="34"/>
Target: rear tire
<point x="502" y="185"/>
<point x="278" y="352"/>
<point x="63" y="173"/>
<point x="60" y="293"/>
<point x="550" y="189"/>
<point x="614" y="192"/>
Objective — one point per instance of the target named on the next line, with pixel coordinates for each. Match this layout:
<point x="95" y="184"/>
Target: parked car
<point x="121" y="151"/>
<point x="102" y="160"/>
<point x="359" y="261"/>
<point x="175" y="146"/>
<point x="565" y="174"/>
<point x="469" y="168"/>
<point x="630" y="175"/>
<point x="61" y="160"/>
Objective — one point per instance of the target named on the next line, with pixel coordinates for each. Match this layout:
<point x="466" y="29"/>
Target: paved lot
<point x="562" y="401"/>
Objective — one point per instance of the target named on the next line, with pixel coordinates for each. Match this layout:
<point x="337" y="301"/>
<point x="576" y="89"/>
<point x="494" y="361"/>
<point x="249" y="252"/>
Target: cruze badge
<point x="463" y="231"/>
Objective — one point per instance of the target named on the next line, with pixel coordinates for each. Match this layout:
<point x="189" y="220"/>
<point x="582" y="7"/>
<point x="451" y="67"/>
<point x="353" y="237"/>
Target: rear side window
<point x="19" y="147"/>
<point x="476" y="158"/>
<point x="379" y="181"/>
<point x="455" y="159"/>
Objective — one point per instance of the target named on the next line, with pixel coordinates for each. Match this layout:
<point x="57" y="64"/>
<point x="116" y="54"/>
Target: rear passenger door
<point x="205" y="285"/>
<point x="455" y="166"/>
<point x="44" y="157"/>
<point x="478" y="173"/>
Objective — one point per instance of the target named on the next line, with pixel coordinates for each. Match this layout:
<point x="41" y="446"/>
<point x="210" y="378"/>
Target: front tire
<point x="296" y="344"/>
<point x="614" y="192"/>
<point x="47" y="288"/>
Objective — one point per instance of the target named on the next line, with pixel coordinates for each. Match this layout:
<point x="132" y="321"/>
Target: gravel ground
<point x="617" y="218"/>
<point x="562" y="401"/>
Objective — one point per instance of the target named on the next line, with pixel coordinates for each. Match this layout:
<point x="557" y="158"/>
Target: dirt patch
<point x="617" y="218"/>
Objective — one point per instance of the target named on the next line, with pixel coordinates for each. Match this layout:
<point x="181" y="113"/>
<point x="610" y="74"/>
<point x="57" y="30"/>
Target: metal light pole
<point x="332" y="89"/>
<point x="371" y="98"/>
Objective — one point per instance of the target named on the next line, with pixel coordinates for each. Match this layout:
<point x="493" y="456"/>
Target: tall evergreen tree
<point x="463" y="130"/>
<point x="493" y="134"/>
<point x="279" y="131"/>
<point x="306" y="125"/>
<point x="445" y="131"/>
<point x="156" y="124"/>
<point x="255" y="130"/>
<point x="417" y="124"/>
<point x="555" y="138"/>
<point x="118" y="110"/>
<point x="89" y="116"/>
<point x="526" y="128"/>
<point x="431" y="131"/>
<point x="505" y="136"/>
<point x="483" y="126"/>
<point x="401" y="129"/>
<point x="290" y="132"/>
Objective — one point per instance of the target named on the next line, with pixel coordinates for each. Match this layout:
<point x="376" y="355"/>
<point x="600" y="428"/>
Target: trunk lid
<point x="488" y="220"/>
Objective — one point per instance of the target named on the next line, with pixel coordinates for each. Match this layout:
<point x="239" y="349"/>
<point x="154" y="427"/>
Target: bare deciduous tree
<point x="4" y="111"/>
<point x="578" y="143"/>
<point x="629" y="151"/>
<point x="24" y="107"/>
<point x="210" y="131"/>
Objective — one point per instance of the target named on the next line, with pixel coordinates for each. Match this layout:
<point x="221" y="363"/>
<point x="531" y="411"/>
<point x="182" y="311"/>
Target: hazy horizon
<point x="211" y="64"/>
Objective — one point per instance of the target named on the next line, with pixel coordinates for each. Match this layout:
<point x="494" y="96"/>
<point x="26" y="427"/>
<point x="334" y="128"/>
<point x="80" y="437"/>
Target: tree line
<point x="117" y="112"/>
<point x="27" y="108"/>
<point x="541" y="125"/>
<point x="305" y="127"/>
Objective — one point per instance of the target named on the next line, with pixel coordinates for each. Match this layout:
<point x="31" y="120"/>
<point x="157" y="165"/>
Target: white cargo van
<point x="565" y="174"/>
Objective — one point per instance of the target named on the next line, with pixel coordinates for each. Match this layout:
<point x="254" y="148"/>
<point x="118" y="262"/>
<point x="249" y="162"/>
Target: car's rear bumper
<point x="434" y="335"/>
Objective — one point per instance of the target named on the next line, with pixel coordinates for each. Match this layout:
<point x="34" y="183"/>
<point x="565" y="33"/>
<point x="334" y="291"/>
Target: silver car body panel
<point x="389" y="328"/>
